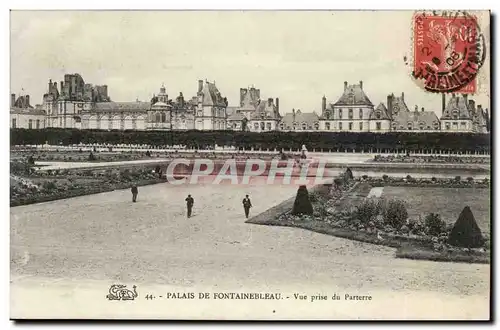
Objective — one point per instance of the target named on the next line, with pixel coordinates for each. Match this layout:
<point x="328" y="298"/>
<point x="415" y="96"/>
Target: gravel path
<point x="105" y="238"/>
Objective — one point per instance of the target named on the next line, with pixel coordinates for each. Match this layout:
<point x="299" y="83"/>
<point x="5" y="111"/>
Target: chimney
<point x="361" y="84"/>
<point x="50" y="86"/>
<point x="200" y="86"/>
<point x="465" y="97"/>
<point x="278" y="105"/>
<point x="389" y="104"/>
<point x="345" y="85"/>
<point x="479" y="108"/>
<point x="323" y="104"/>
<point x="62" y="87"/>
<point x="443" y="102"/>
<point x="416" y="108"/>
<point x="423" y="109"/>
<point x="403" y="96"/>
<point x="472" y="105"/>
<point x="270" y="101"/>
<point x="12" y="100"/>
<point x="27" y="101"/>
<point x="55" y="87"/>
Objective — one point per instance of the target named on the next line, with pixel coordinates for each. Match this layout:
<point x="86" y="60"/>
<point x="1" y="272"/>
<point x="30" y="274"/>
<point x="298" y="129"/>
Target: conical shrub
<point x="466" y="232"/>
<point x="348" y="174"/>
<point x="302" y="204"/>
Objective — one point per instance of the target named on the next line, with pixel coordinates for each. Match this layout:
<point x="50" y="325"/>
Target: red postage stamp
<point x="448" y="51"/>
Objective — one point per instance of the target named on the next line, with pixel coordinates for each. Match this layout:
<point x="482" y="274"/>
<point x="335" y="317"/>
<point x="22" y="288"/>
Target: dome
<point x="160" y="105"/>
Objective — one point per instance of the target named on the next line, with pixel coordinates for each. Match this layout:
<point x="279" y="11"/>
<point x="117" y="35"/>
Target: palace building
<point x="24" y="115"/>
<point x="77" y="104"/>
<point x="254" y="114"/>
<point x="461" y="115"/>
<point x="84" y="106"/>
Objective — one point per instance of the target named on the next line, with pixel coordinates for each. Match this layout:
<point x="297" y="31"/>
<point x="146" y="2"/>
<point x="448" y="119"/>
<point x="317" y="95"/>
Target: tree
<point x="302" y="204"/>
<point x="466" y="232"/>
<point x="396" y="214"/>
<point x="434" y="224"/>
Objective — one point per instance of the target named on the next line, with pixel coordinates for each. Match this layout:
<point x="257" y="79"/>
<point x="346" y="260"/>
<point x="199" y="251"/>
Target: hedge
<point x="335" y="141"/>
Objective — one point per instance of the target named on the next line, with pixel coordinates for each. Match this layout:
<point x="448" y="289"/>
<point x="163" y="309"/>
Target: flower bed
<point x="408" y="181"/>
<point x="61" y="185"/>
<point x="344" y="211"/>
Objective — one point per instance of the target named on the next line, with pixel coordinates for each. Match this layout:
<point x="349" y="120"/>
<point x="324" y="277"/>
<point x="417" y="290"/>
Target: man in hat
<point x="189" y="203"/>
<point x="134" y="191"/>
<point x="247" y="205"/>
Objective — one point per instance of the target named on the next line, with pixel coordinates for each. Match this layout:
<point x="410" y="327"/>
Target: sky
<point x="296" y="56"/>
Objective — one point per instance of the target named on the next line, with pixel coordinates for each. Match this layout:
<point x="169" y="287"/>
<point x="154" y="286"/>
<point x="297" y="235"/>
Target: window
<point x="360" y="126"/>
<point x="378" y="115"/>
<point x="38" y="124"/>
<point x="294" y="126"/>
<point x="455" y="114"/>
<point x="422" y="126"/>
<point x="447" y="125"/>
<point x="327" y="115"/>
<point x="340" y="126"/>
<point x="304" y="126"/>
<point x="163" y="117"/>
<point x="262" y="126"/>
<point x="410" y="126"/>
<point x="13" y="122"/>
<point x="340" y="113"/>
<point x="282" y="125"/>
<point x="327" y="126"/>
<point x="350" y="113"/>
<point x="157" y="117"/>
<point x="394" y="126"/>
<point x="134" y="123"/>
<point x="350" y="126"/>
<point x="256" y="126"/>
<point x="360" y="113"/>
<point x="316" y="126"/>
<point x="268" y="126"/>
<point x="436" y="125"/>
<point x="462" y="124"/>
<point x="30" y="124"/>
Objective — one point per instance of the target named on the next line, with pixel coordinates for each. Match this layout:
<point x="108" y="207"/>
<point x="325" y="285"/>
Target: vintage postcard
<point x="250" y="165"/>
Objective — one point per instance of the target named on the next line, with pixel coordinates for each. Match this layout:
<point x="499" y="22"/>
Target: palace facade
<point x="84" y="106"/>
<point x="76" y="104"/>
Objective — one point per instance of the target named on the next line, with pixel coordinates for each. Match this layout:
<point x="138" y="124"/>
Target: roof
<point x="399" y="105"/>
<point x="403" y="118"/>
<point x="230" y="110"/>
<point x="248" y="103"/>
<point x="22" y="102"/>
<point x="269" y="110"/>
<point x="212" y="96"/>
<point x="161" y="104"/>
<point x="236" y="116"/>
<point x="456" y="104"/>
<point x="353" y="95"/>
<point x="300" y="117"/>
<point x="122" y="106"/>
<point x="380" y="112"/>
<point x="27" y="111"/>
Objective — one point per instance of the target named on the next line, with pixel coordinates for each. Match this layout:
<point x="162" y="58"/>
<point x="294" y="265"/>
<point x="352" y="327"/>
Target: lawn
<point x="448" y="202"/>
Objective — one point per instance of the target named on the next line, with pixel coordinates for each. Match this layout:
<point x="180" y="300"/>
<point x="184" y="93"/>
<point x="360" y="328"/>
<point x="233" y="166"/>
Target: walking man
<point x="247" y="205"/>
<point x="190" y="202"/>
<point x="134" y="191"/>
